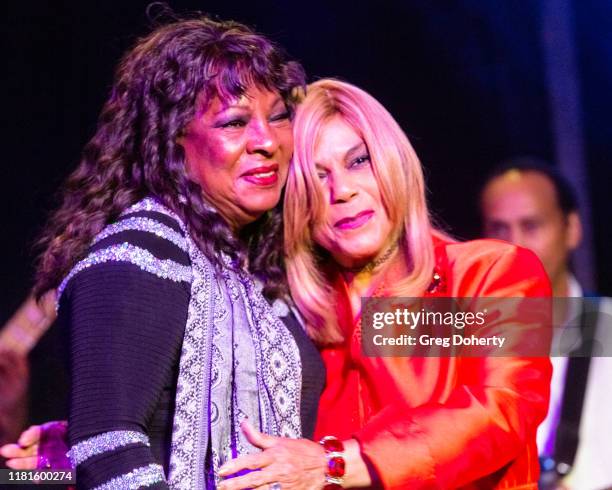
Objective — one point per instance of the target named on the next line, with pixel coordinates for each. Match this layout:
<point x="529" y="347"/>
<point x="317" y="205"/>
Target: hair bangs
<point x="235" y="67"/>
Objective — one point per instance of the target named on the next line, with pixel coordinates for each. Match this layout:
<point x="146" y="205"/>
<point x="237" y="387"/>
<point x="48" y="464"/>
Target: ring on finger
<point x="275" y="486"/>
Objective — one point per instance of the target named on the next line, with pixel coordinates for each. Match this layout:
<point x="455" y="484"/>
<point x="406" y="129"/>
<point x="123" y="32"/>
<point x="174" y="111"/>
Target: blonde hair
<point x="398" y="172"/>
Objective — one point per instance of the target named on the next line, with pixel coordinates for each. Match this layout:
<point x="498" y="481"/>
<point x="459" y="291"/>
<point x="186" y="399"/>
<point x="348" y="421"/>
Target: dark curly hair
<point x="134" y="152"/>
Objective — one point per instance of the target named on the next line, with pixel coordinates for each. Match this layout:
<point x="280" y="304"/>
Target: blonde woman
<point x="357" y="225"/>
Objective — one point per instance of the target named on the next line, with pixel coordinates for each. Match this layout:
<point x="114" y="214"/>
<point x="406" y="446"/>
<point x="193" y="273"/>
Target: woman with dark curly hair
<point x="166" y="253"/>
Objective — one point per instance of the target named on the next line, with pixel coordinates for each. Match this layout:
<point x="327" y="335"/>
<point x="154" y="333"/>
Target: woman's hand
<point x="24" y="454"/>
<point x="293" y="463"/>
<point x="39" y="447"/>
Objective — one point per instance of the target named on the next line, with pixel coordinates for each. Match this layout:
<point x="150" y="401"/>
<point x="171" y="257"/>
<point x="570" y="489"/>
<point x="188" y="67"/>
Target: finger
<point x="16" y="451"/>
<point x="251" y="480"/>
<point x="258" y="439"/>
<point x="247" y="462"/>
<point x="270" y="486"/>
<point x="22" y="463"/>
<point x="29" y="436"/>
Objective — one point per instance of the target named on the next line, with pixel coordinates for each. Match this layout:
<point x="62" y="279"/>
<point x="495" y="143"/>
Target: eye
<point x="531" y="226"/>
<point x="497" y="230"/>
<point x="322" y="174"/>
<point x="233" y="123"/>
<point x="283" y="116"/>
<point x="360" y="161"/>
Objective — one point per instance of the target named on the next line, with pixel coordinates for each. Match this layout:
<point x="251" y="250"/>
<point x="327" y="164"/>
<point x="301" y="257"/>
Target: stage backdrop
<point x="465" y="79"/>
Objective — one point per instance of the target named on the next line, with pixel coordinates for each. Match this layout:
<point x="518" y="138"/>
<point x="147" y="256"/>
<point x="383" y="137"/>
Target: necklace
<point x="370" y="266"/>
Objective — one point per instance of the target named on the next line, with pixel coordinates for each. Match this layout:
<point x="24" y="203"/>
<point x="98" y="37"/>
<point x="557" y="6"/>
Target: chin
<point x="262" y="204"/>
<point x="366" y="246"/>
<point x="356" y="255"/>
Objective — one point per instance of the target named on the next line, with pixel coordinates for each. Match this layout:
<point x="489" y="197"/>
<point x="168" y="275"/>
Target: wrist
<point x="357" y="472"/>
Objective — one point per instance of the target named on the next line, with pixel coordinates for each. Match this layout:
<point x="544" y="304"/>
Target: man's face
<point x="522" y="208"/>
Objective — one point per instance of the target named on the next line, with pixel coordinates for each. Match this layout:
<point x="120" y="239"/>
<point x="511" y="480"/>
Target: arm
<point x="13" y="394"/>
<point x="126" y="327"/>
<point x="486" y="421"/>
<point x="490" y="416"/>
<point x="31" y="320"/>
<point x="297" y="464"/>
<point x="17" y="337"/>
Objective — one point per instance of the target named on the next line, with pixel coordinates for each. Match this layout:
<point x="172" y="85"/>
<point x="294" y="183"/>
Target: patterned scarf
<point x="238" y="360"/>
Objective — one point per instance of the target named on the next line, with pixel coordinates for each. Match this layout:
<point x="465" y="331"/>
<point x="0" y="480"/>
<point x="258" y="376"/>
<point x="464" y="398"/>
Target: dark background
<point x="464" y="78"/>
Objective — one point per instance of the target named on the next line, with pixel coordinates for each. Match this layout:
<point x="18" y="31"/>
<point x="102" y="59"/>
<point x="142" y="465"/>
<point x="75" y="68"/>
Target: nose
<point x="262" y="138"/>
<point x="343" y="188"/>
<point x="518" y="238"/>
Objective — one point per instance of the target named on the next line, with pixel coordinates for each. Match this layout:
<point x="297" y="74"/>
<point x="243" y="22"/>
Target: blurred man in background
<point x="529" y="203"/>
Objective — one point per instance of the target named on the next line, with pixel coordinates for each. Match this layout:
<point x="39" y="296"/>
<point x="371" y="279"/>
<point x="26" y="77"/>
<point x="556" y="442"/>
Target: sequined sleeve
<point x="125" y="306"/>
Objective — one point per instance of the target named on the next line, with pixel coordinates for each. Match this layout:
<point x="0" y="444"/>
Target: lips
<point x="262" y="176"/>
<point x="352" y="222"/>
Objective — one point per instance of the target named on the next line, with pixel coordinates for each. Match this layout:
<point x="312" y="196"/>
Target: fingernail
<point x="224" y="470"/>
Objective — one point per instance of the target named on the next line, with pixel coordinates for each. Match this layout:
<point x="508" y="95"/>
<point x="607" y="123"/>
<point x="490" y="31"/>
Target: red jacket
<point x="445" y="422"/>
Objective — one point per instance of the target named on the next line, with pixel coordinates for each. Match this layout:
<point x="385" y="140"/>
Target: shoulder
<point x="147" y="238"/>
<point x="148" y="225"/>
<point x="490" y="266"/>
<point x="485" y="252"/>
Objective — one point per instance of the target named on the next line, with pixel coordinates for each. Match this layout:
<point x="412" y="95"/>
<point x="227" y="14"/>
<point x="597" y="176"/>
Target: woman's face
<point x="238" y="151"/>
<point x="355" y="227"/>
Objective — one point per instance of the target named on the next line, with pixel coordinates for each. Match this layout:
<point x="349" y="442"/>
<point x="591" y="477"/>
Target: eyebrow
<point x="239" y="105"/>
<point x="355" y="148"/>
<point x="495" y="222"/>
<point x="227" y="107"/>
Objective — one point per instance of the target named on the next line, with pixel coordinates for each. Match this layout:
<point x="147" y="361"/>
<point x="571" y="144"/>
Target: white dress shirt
<point x="592" y="468"/>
